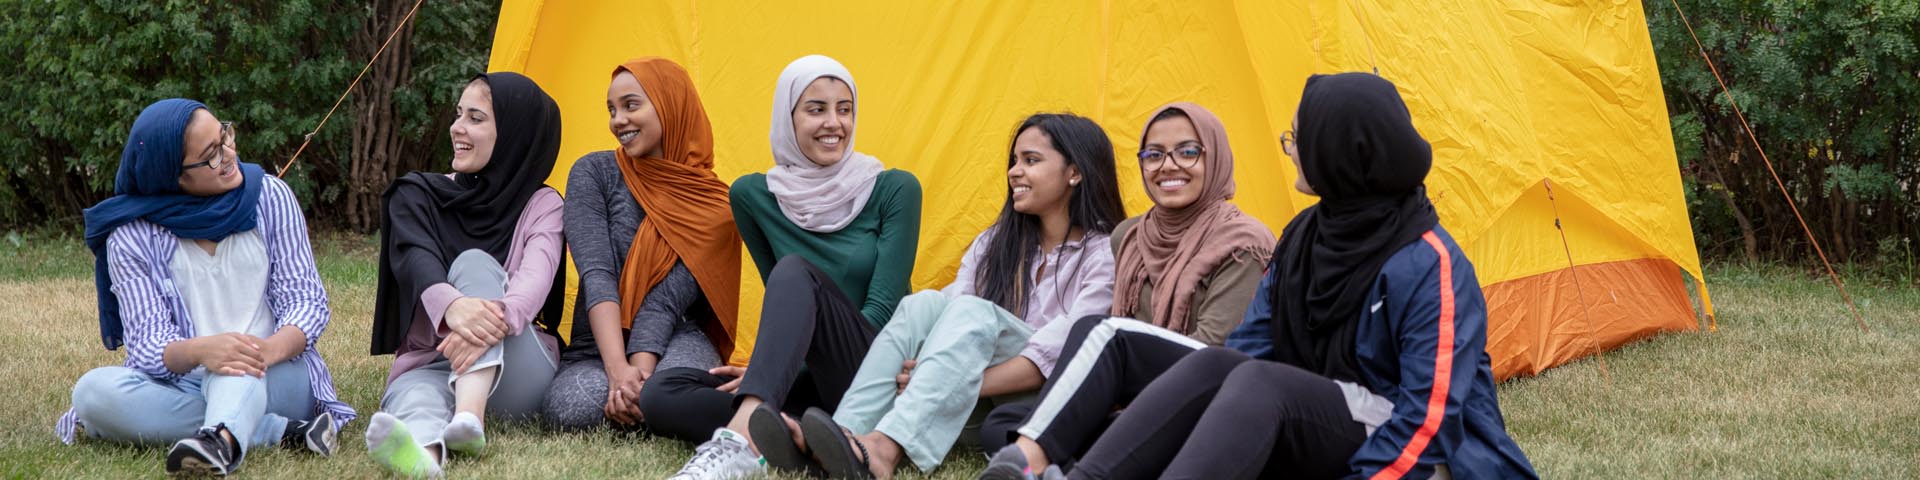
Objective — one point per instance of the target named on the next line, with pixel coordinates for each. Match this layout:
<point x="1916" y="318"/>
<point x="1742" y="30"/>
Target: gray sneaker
<point x="1053" y="473"/>
<point x="316" y="435"/>
<point x="1007" y="464"/>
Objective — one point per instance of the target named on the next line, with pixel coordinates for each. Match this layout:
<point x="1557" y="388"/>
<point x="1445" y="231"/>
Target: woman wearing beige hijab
<point x="1185" y="273"/>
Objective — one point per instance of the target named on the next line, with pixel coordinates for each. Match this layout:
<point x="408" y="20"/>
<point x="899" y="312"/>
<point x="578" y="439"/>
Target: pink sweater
<point x="531" y="263"/>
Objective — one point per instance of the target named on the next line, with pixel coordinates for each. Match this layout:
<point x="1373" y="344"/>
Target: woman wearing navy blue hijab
<point x="204" y="271"/>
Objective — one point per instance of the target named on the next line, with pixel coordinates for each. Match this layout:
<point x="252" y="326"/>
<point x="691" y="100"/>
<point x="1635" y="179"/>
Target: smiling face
<point x="1169" y="184"/>
<point x="204" y="142"/>
<point x="823" y="120"/>
<point x="632" y="118"/>
<point x="474" y="130"/>
<point x="1040" y="177"/>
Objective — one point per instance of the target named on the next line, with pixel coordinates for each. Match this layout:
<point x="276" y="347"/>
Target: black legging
<point x="805" y="321"/>
<point x="1104" y="364"/>
<point x="1220" y="414"/>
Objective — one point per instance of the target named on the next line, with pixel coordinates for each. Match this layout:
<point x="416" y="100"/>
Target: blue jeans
<point x="121" y="404"/>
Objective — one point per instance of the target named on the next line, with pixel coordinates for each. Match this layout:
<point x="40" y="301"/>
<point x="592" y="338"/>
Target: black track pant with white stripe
<point x="1105" y="363"/>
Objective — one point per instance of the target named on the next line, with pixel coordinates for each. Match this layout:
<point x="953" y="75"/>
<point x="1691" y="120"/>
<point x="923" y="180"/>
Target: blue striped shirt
<point x="154" y="315"/>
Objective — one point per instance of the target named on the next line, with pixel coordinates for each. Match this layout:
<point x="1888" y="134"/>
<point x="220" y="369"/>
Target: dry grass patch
<point x="1787" y="389"/>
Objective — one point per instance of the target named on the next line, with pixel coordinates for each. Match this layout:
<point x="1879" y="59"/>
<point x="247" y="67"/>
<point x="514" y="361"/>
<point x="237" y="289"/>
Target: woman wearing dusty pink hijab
<point x="1185" y="272"/>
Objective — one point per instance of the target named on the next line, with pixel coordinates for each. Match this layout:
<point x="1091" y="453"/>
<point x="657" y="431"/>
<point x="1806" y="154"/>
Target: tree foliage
<point x="1832" y="89"/>
<point x="82" y="70"/>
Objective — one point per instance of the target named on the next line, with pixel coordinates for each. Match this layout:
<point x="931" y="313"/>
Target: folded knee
<point x="791" y="268"/>
<point x="665" y="385"/>
<point x="924" y="300"/>
<point x="1086" y="324"/>
<point x="1269" y="372"/>
<point x="473" y="258"/>
<point x="969" y="314"/>
<point x="675" y="378"/>
<point x="102" y="384"/>
<point x="571" y="415"/>
<point x="1219" y="359"/>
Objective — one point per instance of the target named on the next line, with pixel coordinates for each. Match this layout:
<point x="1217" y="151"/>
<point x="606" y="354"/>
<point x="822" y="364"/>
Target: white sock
<point x="465" y="434"/>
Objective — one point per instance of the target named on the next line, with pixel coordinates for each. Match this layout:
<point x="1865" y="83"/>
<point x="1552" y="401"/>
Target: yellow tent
<point x="1515" y="99"/>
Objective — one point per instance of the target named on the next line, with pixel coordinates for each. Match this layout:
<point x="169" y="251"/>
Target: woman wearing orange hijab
<point x="653" y="237"/>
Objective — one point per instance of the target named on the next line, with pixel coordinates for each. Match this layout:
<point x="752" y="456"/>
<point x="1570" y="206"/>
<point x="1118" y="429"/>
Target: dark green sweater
<point x="887" y="228"/>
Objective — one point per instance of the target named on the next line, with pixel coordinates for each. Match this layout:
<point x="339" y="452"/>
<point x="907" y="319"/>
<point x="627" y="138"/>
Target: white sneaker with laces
<point x="724" y="457"/>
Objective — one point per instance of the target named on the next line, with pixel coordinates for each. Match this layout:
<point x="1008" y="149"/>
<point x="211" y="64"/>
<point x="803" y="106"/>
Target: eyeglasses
<point x="1286" y="142"/>
<point x="214" y="154"/>
<point x="1184" y="156"/>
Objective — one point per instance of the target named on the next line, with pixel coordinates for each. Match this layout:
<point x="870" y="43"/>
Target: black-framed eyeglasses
<point x="1186" y="155"/>
<point x="215" y="154"/>
<point x="1286" y="142"/>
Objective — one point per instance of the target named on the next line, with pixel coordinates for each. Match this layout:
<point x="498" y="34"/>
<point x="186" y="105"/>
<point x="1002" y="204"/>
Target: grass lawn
<point x="1788" y="388"/>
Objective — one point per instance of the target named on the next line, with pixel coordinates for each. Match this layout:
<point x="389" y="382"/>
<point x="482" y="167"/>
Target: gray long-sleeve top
<point x="601" y="219"/>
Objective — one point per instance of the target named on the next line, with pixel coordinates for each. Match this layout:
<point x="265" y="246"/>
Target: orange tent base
<point x="1541" y="321"/>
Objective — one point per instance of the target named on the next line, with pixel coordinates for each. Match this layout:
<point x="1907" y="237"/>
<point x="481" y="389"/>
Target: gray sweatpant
<point x="423" y="397"/>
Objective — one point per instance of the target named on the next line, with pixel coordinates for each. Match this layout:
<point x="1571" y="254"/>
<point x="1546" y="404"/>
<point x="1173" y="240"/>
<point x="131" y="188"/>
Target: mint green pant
<point x="953" y="341"/>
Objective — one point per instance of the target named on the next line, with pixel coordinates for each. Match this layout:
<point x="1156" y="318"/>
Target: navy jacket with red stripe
<point x="1445" y="408"/>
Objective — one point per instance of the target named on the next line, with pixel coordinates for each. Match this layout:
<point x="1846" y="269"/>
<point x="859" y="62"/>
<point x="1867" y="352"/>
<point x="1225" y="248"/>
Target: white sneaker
<point x="724" y="457"/>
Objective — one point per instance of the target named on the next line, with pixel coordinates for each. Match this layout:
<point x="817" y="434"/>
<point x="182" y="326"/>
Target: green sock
<point x="398" y="452"/>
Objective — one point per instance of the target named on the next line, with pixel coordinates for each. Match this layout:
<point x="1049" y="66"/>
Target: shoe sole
<point x="769" y="433"/>
<point x="190" y="462"/>
<point x="193" y="467"/>
<point x="321" y="438"/>
<point x="830" y="446"/>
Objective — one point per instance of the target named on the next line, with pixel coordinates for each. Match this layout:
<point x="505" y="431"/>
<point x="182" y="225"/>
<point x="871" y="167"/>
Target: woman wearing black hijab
<point x="1362" y="355"/>
<point x="469" y="280"/>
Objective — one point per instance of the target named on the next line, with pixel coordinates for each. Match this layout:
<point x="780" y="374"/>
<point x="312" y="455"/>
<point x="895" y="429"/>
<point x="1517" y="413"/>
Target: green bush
<point x="1831" y="88"/>
<point x="81" y="71"/>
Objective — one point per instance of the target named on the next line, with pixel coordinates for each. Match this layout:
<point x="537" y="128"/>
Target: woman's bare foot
<point x="794" y="427"/>
<point x="1036" y="456"/>
<point x="883" y="454"/>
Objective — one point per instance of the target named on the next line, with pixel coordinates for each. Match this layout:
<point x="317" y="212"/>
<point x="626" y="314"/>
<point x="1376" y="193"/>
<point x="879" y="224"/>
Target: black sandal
<point x="768" y="428"/>
<point x="830" y="441"/>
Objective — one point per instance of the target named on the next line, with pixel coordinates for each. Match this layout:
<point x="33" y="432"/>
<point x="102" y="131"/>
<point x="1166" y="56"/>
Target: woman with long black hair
<point x="996" y="330"/>
<point x="1364" y="354"/>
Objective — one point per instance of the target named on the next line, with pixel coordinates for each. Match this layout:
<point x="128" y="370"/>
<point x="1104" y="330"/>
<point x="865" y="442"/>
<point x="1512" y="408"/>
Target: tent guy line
<point x="1737" y="113"/>
<point x="1586" y="311"/>
<point x="308" y="138"/>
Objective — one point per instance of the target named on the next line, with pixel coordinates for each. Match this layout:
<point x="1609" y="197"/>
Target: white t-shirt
<point x="226" y="291"/>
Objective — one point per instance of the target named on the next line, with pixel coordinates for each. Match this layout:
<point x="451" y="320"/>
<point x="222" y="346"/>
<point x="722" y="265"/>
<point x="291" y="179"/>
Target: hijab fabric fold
<point x="818" y="199"/>
<point x="430" y="218"/>
<point x="1359" y="151"/>
<point x="1178" y="248"/>
<point x="688" y="217"/>
<point x="146" y="186"/>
